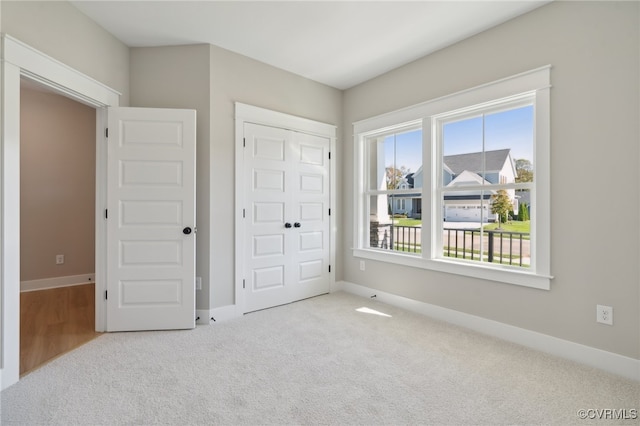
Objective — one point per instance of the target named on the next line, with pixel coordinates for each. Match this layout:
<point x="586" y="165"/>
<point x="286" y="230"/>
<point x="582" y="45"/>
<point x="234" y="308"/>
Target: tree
<point x="524" y="170"/>
<point x="394" y="176"/>
<point x="501" y="205"/>
<point x="523" y="212"/>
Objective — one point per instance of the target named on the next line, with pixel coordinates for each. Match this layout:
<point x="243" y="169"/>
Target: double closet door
<point x="286" y="216"/>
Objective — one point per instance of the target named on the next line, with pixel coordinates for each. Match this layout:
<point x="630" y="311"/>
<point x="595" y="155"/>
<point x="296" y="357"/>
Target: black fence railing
<point x="494" y="246"/>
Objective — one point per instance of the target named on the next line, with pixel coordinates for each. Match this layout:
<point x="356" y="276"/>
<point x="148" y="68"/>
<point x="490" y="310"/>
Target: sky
<point x="508" y="129"/>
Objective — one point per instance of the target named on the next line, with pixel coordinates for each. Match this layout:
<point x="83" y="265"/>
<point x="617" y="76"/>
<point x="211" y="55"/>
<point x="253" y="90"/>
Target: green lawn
<point x="405" y="221"/>
<point x="511" y="226"/>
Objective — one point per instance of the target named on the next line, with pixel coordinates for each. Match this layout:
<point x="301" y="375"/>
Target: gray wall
<point x="57" y="185"/>
<point x="64" y="33"/>
<point x="594" y="50"/>
<point x="178" y="77"/>
<point x="238" y="78"/>
<point x="210" y="79"/>
<point x="593" y="47"/>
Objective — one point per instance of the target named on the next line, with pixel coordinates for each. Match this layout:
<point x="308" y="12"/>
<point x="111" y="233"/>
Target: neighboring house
<point x="407" y="204"/>
<point x="466" y="206"/>
<point x="467" y="169"/>
<point x="460" y="170"/>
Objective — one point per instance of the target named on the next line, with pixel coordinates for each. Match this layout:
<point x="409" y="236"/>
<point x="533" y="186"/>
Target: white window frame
<point x="437" y="123"/>
<point x="534" y="83"/>
<point x="367" y="188"/>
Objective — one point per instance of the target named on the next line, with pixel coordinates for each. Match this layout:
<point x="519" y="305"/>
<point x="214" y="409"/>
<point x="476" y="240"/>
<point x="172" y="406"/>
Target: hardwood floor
<point x="53" y="322"/>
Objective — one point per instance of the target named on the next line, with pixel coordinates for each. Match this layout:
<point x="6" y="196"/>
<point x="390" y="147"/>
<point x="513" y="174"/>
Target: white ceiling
<point x="338" y="43"/>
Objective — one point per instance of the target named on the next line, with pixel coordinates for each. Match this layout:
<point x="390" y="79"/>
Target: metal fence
<point x="494" y="246"/>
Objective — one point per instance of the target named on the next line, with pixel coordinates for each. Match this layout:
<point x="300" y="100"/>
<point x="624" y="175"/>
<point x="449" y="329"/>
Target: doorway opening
<point x="57" y="224"/>
<point x="20" y="60"/>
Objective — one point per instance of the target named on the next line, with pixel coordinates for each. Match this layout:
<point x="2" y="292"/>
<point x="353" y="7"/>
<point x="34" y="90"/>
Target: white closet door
<point x="311" y="201"/>
<point x="286" y="216"/>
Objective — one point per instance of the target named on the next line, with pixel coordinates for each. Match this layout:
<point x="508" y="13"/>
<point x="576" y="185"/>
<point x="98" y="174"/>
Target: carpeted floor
<point x="319" y="361"/>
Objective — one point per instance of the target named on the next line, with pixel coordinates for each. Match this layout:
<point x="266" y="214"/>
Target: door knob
<point x="297" y="225"/>
<point x="287" y="225"/>
<point x="186" y="231"/>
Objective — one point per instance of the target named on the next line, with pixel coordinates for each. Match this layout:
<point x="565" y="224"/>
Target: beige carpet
<point x="319" y="361"/>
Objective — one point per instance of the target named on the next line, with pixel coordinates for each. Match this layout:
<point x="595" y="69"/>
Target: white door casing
<point x="286" y="220"/>
<point x="150" y="219"/>
<point x="21" y="60"/>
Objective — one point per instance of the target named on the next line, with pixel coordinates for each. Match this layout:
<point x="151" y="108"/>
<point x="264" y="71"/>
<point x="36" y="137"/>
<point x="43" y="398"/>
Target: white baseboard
<point x="202" y="316"/>
<point x="48" y="283"/>
<point x="223" y="313"/>
<point x="336" y="286"/>
<point x="598" y="358"/>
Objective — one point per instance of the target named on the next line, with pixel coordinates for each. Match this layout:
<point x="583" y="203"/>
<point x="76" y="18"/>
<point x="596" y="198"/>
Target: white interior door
<point x="151" y="219"/>
<point x="311" y="202"/>
<point x="287" y="228"/>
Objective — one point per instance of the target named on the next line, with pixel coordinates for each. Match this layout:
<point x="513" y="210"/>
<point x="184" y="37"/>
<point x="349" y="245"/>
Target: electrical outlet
<point x="198" y="283"/>
<point x="59" y="259"/>
<point x="362" y="265"/>
<point x="604" y="314"/>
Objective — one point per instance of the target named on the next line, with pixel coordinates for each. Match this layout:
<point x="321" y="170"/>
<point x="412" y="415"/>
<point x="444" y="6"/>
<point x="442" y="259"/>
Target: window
<point x="478" y="162"/>
<point x="479" y="152"/>
<point x="394" y="157"/>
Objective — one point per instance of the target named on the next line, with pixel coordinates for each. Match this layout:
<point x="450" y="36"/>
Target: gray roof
<point x="409" y="178"/>
<point x="494" y="160"/>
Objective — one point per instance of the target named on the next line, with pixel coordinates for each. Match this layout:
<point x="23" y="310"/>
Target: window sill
<point x="503" y="275"/>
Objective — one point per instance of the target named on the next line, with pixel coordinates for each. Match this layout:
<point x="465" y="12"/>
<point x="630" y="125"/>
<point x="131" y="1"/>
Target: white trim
<point x="608" y="361"/>
<point x="239" y="230"/>
<point x="56" y="75"/>
<point x="338" y="286"/>
<point x="202" y="316"/>
<point x="534" y="85"/>
<point x="2" y="296"/>
<point x="223" y="313"/>
<point x="257" y="115"/>
<point x="57" y="282"/>
<point x="10" y="223"/>
<point x="19" y="59"/>
<point x="251" y="114"/>
<point x="100" y="221"/>
<point x="535" y="79"/>
<point x="497" y="273"/>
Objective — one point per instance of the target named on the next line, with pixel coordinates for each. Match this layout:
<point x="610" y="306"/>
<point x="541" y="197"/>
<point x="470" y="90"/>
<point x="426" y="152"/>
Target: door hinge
<point x="243" y="283"/>
<point x="329" y="155"/>
<point x="329" y="268"/>
<point x="244" y="213"/>
<point x="244" y="142"/>
<point x="106" y="213"/>
<point x="106" y="132"/>
<point x="105" y="295"/>
<point x="329" y="212"/>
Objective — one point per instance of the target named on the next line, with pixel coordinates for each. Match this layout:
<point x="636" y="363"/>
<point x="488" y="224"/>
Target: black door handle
<point x="287" y="225"/>
<point x="297" y="225"/>
<point x="186" y="231"/>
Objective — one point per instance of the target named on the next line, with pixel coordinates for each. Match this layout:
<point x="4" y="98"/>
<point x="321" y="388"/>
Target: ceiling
<point x="338" y="43"/>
